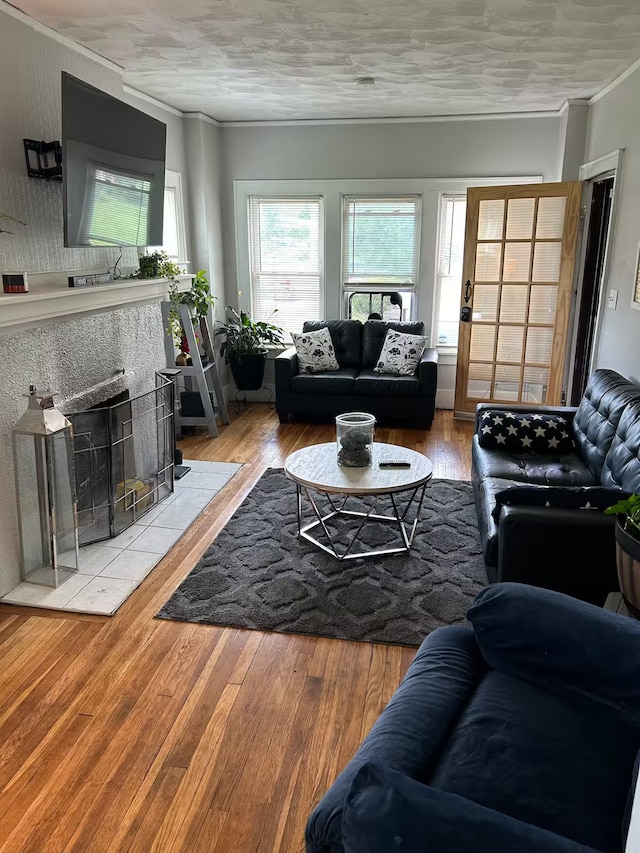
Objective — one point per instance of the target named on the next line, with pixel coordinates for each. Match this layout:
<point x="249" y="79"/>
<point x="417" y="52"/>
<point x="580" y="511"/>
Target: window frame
<point x="285" y="197"/>
<point x="173" y="179"/>
<point x="445" y="349"/>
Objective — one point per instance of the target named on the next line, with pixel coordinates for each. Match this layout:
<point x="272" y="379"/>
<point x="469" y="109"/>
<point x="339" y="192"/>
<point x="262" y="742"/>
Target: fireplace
<point x="123" y="456"/>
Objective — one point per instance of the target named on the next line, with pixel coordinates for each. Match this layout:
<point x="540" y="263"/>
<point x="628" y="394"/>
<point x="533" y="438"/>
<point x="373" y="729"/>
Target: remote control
<point x="394" y="463"/>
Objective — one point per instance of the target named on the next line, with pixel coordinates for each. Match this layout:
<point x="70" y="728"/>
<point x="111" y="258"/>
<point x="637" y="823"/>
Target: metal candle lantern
<point x="45" y="487"/>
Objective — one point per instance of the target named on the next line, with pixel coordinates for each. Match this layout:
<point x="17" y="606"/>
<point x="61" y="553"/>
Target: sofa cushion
<point x="315" y="352"/>
<point x="373" y="334"/>
<point x="531" y="432"/>
<point x="594" y="425"/>
<point x="588" y="498"/>
<point x="387" y="811"/>
<point x="400" y="353"/>
<point x="621" y="465"/>
<point x="346" y="336"/>
<point x="331" y="382"/>
<point x="529" y="753"/>
<point x="372" y="383"/>
<point x="578" y="651"/>
<point x="564" y="469"/>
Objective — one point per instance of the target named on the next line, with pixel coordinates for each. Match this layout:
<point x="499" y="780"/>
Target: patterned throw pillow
<point x="535" y="432"/>
<point x="315" y="352"/>
<point x="400" y="354"/>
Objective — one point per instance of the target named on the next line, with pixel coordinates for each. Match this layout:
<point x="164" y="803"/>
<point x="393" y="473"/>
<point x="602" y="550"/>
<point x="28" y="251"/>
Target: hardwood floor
<point x="136" y="734"/>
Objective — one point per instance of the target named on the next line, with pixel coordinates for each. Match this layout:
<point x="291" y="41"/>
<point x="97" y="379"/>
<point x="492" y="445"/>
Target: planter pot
<point x="628" y="562"/>
<point x="248" y="371"/>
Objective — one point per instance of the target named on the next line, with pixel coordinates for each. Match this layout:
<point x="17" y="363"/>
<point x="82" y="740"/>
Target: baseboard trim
<point x="445" y="398"/>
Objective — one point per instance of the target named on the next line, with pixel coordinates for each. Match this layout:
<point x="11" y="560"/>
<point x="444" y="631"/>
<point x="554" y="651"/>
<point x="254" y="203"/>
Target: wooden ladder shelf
<point x="207" y="378"/>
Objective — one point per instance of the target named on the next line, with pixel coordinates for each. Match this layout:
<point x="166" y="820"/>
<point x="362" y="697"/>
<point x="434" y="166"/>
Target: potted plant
<point x="198" y="298"/>
<point x="628" y="549"/>
<point x="245" y="347"/>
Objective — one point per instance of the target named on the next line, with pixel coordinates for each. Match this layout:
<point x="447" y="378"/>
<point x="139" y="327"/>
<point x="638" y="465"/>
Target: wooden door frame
<point x="572" y="190"/>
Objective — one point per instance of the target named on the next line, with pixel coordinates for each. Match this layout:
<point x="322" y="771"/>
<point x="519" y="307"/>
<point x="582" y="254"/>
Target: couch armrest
<point x="564" y="411"/>
<point x="567" y="550"/>
<point x="286" y="367"/>
<point x="437" y="687"/>
<point x="570" y="648"/>
<point x="428" y="372"/>
<point x="387" y="811"/>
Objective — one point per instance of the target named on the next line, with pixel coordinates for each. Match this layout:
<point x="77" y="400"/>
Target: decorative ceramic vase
<point x="354" y="439"/>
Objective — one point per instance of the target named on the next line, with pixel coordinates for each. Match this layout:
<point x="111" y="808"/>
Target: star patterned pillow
<point x="534" y="432"/>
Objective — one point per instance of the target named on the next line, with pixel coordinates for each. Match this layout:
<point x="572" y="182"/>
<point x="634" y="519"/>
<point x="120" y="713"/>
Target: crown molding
<point x="573" y="102"/>
<point x="203" y="117"/>
<point x="616" y="82"/>
<point x="156" y="102"/>
<point x="320" y="122"/>
<point x="45" y="30"/>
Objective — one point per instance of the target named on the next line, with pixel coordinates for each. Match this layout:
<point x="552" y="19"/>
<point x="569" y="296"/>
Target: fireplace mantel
<point x="51" y="300"/>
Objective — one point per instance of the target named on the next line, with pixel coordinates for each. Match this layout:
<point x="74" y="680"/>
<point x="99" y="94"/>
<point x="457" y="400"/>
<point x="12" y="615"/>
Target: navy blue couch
<point x="518" y="733"/>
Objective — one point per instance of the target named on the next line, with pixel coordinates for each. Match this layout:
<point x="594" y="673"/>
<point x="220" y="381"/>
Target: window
<point x="174" y="241"/>
<point x="285" y="249"/>
<point x="453" y="210"/>
<point x="380" y="256"/>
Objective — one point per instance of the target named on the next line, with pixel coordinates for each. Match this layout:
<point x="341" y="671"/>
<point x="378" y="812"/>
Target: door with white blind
<point x="285" y="254"/>
<point x="380" y="250"/>
<point x="520" y="246"/>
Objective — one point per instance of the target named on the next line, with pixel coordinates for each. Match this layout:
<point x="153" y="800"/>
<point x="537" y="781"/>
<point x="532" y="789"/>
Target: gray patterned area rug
<point x="259" y="574"/>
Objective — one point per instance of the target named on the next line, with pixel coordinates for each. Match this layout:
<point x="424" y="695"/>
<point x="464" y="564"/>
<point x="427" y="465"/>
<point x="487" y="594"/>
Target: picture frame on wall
<point x="635" y="297"/>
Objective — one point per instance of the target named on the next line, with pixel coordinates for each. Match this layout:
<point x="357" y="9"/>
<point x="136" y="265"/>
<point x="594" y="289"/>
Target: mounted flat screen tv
<point x="113" y="162"/>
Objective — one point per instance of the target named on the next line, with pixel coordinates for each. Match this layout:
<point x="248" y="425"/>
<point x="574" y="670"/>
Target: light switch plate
<point x="612" y="302"/>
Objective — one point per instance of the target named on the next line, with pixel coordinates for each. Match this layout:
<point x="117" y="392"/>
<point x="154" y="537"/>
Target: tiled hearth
<point x="109" y="571"/>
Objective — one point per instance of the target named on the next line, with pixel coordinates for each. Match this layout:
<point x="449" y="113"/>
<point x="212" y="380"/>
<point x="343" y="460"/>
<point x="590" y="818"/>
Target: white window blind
<point x="285" y="249"/>
<point x="453" y="209"/>
<point x="117" y="212"/>
<point x="380" y="241"/>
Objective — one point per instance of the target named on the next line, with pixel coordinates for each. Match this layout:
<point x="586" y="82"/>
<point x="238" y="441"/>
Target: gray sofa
<point x="356" y="386"/>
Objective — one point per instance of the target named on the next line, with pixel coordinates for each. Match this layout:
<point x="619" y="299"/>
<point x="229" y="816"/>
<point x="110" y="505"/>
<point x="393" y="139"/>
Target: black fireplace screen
<point x="123" y="457"/>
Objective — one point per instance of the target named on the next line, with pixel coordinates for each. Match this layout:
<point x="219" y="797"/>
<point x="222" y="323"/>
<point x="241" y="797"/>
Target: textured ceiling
<point x="291" y="59"/>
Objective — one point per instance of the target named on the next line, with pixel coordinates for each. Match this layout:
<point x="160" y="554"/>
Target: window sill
<point x="447" y="355"/>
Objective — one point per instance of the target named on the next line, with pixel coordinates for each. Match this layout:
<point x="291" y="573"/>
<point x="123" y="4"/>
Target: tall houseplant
<point x="628" y="549"/>
<point x="244" y="347"/>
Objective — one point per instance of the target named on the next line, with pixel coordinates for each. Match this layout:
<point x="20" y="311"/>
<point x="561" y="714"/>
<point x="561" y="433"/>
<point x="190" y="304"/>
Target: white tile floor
<point x="110" y="571"/>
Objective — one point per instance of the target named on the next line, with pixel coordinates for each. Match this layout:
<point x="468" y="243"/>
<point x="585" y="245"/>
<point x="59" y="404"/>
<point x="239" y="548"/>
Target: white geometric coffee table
<point x="315" y="470"/>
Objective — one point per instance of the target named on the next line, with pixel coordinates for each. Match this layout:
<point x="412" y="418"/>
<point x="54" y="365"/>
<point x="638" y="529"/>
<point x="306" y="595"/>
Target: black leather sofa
<point x="356" y="387"/>
<point x="571" y="550"/>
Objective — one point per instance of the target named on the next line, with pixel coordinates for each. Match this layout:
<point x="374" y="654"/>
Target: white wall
<point x="66" y="357"/>
<point x="614" y="122"/>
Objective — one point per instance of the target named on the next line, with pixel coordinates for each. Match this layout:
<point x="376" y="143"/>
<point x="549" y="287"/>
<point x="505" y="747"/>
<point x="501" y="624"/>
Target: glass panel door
<point x="520" y="247"/>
